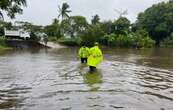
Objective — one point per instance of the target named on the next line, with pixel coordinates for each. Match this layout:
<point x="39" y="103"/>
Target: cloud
<point x="43" y="11"/>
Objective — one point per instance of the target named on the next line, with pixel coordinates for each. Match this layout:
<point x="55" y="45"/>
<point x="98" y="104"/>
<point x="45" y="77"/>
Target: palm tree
<point x="64" y="10"/>
<point x="95" y="19"/>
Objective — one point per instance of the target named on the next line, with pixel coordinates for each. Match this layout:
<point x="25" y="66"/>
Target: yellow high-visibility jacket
<point x="95" y="56"/>
<point x="83" y="52"/>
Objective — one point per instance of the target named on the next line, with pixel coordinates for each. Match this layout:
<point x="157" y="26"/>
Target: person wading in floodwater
<point x="95" y="57"/>
<point x="45" y="39"/>
<point x="83" y="53"/>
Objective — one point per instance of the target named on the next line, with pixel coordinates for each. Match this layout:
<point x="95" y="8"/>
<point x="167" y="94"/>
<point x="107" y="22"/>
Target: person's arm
<point x="88" y="52"/>
<point x="79" y="53"/>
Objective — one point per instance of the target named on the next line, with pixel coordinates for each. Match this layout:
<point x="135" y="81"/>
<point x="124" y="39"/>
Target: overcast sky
<point x="42" y="12"/>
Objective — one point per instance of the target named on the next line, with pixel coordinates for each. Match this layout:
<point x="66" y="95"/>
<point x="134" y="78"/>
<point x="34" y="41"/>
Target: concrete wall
<point x="22" y="44"/>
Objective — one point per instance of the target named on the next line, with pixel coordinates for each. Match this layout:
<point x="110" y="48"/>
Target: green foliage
<point x="109" y="40"/>
<point x="158" y="21"/>
<point x="118" y="40"/>
<point x="107" y="27"/>
<point x="7" y="25"/>
<point x="12" y="6"/>
<point x="53" y="30"/>
<point x="63" y="11"/>
<point x="1" y="28"/>
<point x="2" y="41"/>
<point x="74" y="26"/>
<point x="34" y="36"/>
<point x="119" y="33"/>
<point x="169" y="41"/>
<point x="92" y="34"/>
<point x="34" y="30"/>
<point x="29" y="27"/>
<point x="70" y="41"/>
<point x="52" y="39"/>
<point x="95" y="19"/>
<point x="3" y="45"/>
<point x="139" y="39"/>
<point x="121" y="26"/>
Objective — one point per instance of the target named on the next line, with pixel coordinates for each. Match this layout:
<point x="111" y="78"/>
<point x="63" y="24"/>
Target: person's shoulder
<point x="87" y="48"/>
<point x="92" y="48"/>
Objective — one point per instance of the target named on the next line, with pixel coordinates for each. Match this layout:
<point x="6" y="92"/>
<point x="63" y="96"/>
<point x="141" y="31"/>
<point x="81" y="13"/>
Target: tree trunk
<point x="1" y="16"/>
<point x="157" y="43"/>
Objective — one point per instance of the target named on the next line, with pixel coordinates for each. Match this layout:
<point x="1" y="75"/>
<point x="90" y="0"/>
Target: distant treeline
<point x="153" y="27"/>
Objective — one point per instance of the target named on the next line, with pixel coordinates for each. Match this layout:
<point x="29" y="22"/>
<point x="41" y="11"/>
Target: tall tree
<point x="95" y="19"/>
<point x="53" y="30"/>
<point x="64" y="11"/>
<point x="78" y="25"/>
<point x="11" y="7"/>
<point x="107" y="27"/>
<point x="75" y="25"/>
<point x="93" y="33"/>
<point x="158" y="21"/>
<point x="121" y="26"/>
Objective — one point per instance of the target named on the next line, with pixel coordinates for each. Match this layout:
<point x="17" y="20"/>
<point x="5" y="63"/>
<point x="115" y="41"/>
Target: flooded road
<point x="127" y="79"/>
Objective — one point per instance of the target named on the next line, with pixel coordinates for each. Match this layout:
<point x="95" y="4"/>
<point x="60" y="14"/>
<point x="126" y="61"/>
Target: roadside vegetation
<point x="3" y="45"/>
<point x="153" y="27"/>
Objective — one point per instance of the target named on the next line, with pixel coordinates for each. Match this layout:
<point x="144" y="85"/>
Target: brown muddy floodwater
<point x="127" y="79"/>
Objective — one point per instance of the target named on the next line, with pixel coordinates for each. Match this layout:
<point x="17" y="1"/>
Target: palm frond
<point x="68" y="11"/>
<point x="59" y="15"/>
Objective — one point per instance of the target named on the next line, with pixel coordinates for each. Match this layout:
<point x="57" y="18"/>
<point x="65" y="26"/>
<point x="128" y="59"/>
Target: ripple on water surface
<point x="54" y="80"/>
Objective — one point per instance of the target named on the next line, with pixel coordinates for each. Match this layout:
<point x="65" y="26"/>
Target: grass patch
<point x="69" y="41"/>
<point x="3" y="45"/>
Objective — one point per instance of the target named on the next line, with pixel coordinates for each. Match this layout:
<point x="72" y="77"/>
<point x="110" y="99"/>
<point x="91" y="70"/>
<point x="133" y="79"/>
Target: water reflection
<point x="54" y="79"/>
<point x="156" y="57"/>
<point x="93" y="80"/>
<point x="12" y="98"/>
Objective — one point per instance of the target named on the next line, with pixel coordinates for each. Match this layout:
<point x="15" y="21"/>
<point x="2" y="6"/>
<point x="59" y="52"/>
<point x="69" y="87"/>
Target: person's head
<point x="96" y="44"/>
<point x="83" y="44"/>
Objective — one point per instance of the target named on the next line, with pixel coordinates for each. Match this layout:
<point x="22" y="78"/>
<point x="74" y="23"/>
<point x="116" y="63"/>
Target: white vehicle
<point x="24" y="35"/>
<point x="17" y="34"/>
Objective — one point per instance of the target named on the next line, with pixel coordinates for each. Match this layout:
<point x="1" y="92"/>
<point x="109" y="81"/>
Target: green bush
<point x="2" y="42"/>
<point x="109" y="40"/>
<point x="148" y="42"/>
<point x="118" y="40"/>
<point x="130" y="40"/>
<point x="94" y="33"/>
<point x="124" y="41"/>
<point x="53" y="39"/>
<point x="70" y="41"/>
<point x="142" y="40"/>
<point x="168" y="42"/>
